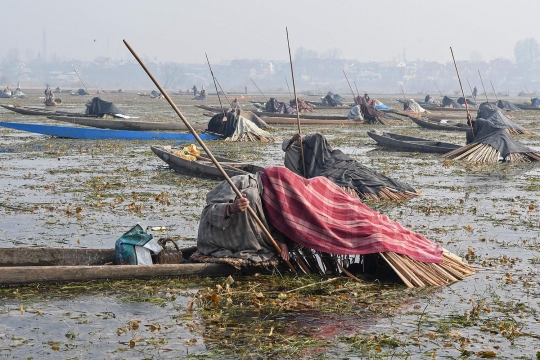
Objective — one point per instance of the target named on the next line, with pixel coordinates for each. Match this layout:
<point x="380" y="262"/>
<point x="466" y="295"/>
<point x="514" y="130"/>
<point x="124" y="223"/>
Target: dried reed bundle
<point x="483" y="153"/>
<point x="248" y="136"/>
<point x="413" y="273"/>
<point x="385" y="194"/>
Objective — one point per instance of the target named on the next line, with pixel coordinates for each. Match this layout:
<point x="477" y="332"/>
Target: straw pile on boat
<point x="413" y="273"/>
<point x="485" y="153"/>
<point x="385" y="193"/>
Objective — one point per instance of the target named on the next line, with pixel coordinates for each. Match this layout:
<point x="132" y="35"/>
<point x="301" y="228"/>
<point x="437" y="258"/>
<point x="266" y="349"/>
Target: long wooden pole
<point x="208" y="152"/>
<point x="296" y="102"/>
<point x="319" y="89"/>
<point x="461" y="86"/>
<point x="288" y="86"/>
<point x="80" y="80"/>
<point x="440" y="93"/>
<point x="470" y="88"/>
<point x="403" y="92"/>
<point x="223" y="92"/>
<point x="350" y="87"/>
<point x="496" y="97"/>
<point x="217" y="91"/>
<point x="528" y="92"/>
<point x="258" y="89"/>
<point x="482" y="81"/>
<point x="357" y="92"/>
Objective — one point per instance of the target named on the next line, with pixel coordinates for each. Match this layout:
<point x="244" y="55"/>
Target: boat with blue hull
<point x="102" y="134"/>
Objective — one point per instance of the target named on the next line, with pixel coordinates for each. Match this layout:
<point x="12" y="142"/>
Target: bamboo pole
<point x="229" y="101"/>
<point x="319" y="89"/>
<point x="357" y="92"/>
<point x="462" y="92"/>
<point x="208" y="152"/>
<point x="80" y="80"/>
<point x="470" y="88"/>
<point x="403" y="92"/>
<point x="288" y="87"/>
<point x="494" y="92"/>
<point x="217" y="91"/>
<point x="482" y="81"/>
<point x="258" y="89"/>
<point x="352" y="92"/>
<point x="440" y="93"/>
<point x="296" y="102"/>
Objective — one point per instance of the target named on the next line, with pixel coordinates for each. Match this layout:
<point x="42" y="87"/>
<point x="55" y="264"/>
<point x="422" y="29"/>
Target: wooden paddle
<point x="209" y="153"/>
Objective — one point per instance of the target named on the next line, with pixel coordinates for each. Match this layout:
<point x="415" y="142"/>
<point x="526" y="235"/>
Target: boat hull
<point x="203" y="166"/>
<point x="436" y="125"/>
<point x="38" y="265"/>
<point x="101" y="134"/>
<point x="409" y="143"/>
<point x="129" y="125"/>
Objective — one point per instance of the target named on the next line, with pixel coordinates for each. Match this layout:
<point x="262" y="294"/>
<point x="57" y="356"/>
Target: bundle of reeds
<point x="484" y="153"/>
<point x="514" y="131"/>
<point x="413" y="273"/>
<point x="384" y="194"/>
<point x="248" y="136"/>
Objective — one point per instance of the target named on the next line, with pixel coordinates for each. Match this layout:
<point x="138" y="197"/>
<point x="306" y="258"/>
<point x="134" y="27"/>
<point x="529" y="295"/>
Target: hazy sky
<point x="182" y="31"/>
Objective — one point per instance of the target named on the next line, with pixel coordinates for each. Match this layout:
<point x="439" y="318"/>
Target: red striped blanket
<point x="318" y="214"/>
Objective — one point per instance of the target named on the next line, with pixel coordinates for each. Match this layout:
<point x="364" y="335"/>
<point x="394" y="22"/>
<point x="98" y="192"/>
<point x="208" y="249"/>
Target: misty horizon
<point x="181" y="31"/>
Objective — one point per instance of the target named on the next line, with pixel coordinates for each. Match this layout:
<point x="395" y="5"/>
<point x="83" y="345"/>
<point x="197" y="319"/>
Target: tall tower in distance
<point x="44" y="45"/>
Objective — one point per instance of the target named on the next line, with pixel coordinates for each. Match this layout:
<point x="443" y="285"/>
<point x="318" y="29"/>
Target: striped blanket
<point x="318" y="214"/>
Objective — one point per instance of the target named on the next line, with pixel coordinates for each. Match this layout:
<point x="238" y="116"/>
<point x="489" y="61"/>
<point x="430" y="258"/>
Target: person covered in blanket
<point x="302" y="106"/>
<point x="314" y="213"/>
<point x="322" y="160"/>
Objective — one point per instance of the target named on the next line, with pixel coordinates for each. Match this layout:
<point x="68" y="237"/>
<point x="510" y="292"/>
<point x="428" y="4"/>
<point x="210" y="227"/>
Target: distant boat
<point x="440" y="124"/>
<point x="409" y="143"/>
<point x="101" y="134"/>
<point x="124" y="124"/>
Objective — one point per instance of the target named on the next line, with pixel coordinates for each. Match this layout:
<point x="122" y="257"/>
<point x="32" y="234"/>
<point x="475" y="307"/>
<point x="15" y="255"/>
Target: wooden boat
<point x="203" y="165"/>
<point x="265" y="114"/>
<point x="294" y="121"/>
<point x="432" y="114"/>
<point x="440" y="108"/>
<point x="527" y="107"/>
<point x="429" y="107"/>
<point x="409" y="143"/>
<point x="101" y="134"/>
<point x="37" y="265"/>
<point x="130" y="125"/>
<point x="438" y="125"/>
<point x="24" y="110"/>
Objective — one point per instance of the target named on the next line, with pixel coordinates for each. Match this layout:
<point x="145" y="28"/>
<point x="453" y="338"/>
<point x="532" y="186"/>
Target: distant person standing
<point x="194" y="88"/>
<point x="474" y="93"/>
<point x="245" y="88"/>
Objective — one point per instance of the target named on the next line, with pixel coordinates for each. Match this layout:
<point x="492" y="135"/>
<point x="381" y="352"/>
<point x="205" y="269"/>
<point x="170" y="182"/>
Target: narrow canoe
<point x="440" y="108"/>
<point x="203" y="165"/>
<point x="265" y="114"/>
<point x="527" y="107"/>
<point x="294" y="121"/>
<point x="101" y="134"/>
<point x="24" y="110"/>
<point x="38" y="265"/>
<point x="409" y="143"/>
<point x="130" y="125"/>
<point x="438" y="125"/>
